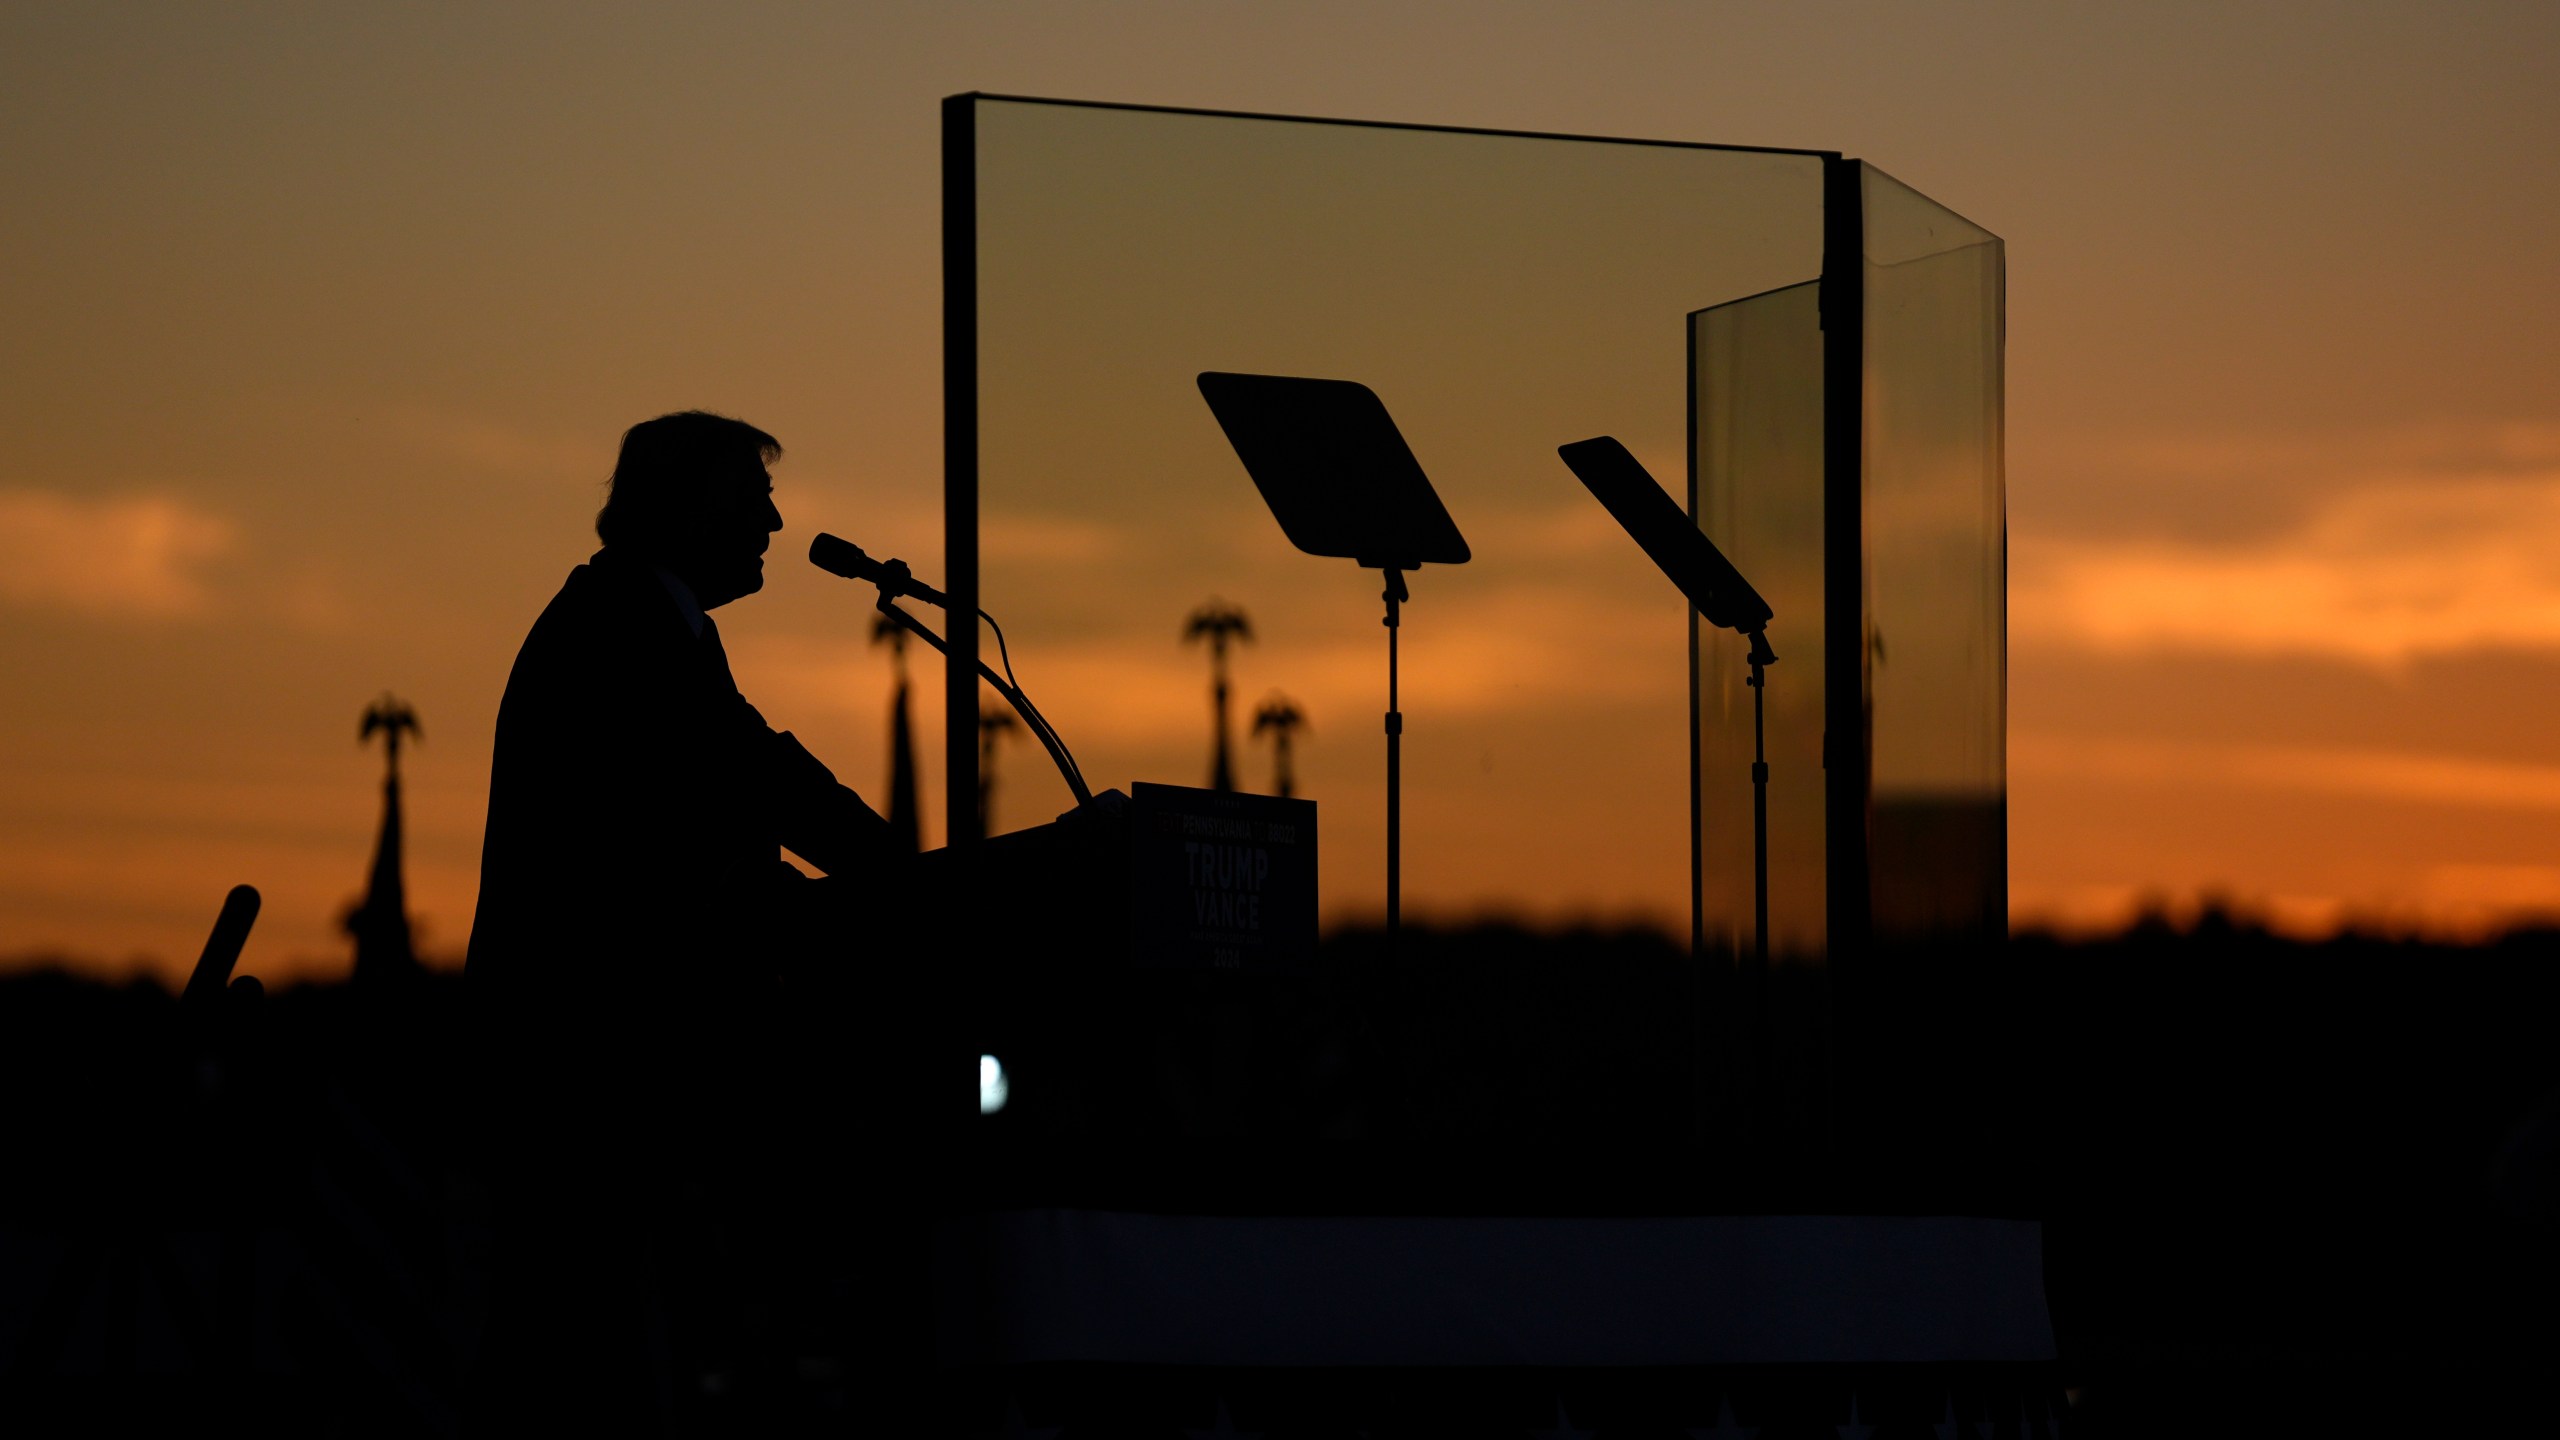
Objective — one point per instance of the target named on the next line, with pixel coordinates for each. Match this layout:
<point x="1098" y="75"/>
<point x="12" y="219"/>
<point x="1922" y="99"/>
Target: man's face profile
<point x="690" y="492"/>
<point x="721" y="554"/>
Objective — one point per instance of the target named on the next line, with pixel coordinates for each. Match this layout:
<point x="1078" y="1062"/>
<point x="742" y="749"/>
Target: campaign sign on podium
<point x="1221" y="880"/>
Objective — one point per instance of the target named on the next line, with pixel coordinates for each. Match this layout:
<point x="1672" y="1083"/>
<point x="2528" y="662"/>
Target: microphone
<point x="843" y="557"/>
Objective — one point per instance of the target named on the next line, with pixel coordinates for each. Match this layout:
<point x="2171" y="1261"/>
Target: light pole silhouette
<point x="1280" y="716"/>
<point x="385" y="943"/>
<point x="1218" y="623"/>
<point x="993" y="725"/>
<point x="905" y="829"/>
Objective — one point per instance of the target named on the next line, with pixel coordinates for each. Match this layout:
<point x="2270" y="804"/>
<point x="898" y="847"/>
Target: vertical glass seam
<point x="960" y="467"/>
<point x="1697" y="813"/>
<point x="1844" y="576"/>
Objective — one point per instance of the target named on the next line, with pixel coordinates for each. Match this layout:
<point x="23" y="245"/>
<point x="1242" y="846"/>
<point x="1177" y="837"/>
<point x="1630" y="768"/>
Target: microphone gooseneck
<point x="841" y="557"/>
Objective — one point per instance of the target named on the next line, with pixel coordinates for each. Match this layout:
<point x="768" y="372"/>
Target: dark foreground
<point x="2285" y="1188"/>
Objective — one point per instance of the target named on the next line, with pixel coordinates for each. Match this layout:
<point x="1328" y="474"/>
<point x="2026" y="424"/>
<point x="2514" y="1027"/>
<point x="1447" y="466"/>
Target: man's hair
<point x="665" y="464"/>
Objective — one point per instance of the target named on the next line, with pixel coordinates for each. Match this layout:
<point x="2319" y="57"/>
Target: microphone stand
<point x="1022" y="706"/>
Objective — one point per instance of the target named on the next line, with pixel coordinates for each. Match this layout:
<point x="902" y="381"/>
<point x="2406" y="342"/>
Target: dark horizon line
<point x="2208" y="926"/>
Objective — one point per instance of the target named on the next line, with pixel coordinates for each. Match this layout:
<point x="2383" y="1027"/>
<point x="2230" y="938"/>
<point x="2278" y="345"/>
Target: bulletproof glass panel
<point x="1501" y="294"/>
<point x="1756" y="490"/>
<point x="1936" y="559"/>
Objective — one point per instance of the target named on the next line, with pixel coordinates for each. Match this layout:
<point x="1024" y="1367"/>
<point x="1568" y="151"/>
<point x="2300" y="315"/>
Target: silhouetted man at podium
<point x="635" y="912"/>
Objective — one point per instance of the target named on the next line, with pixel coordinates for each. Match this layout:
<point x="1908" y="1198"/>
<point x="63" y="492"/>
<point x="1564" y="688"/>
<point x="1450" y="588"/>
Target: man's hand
<point x="1109" y="807"/>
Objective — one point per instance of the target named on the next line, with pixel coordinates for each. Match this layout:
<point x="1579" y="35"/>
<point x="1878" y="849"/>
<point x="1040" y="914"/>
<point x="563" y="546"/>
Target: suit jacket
<point x="631" y="878"/>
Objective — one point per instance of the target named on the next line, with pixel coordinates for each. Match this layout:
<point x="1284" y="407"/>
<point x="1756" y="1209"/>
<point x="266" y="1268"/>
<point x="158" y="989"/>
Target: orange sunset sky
<point x="320" y="323"/>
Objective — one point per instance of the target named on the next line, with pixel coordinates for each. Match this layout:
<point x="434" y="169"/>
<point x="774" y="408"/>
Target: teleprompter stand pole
<point x="1395" y="597"/>
<point x="1678" y="545"/>
<point x="1761" y="657"/>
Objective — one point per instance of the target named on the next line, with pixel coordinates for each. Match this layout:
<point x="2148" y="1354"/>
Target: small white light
<point x="992" y="1086"/>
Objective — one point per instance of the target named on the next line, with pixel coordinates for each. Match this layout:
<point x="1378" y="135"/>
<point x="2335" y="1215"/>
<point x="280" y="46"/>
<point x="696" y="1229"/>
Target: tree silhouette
<point x="1281" y="717"/>
<point x="1218" y="622"/>
<point x="992" y="726"/>
<point x="905" y="829"/>
<point x="385" y="942"/>
<point x="392" y="716"/>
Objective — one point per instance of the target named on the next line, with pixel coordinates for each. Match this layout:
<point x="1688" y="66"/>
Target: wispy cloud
<point x="135" y="557"/>
<point x="2399" y="565"/>
<point x="1046" y="540"/>
<point x="2370" y="774"/>
<point x="2517" y="447"/>
<point x="490" y="446"/>
<point x="1527" y="650"/>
